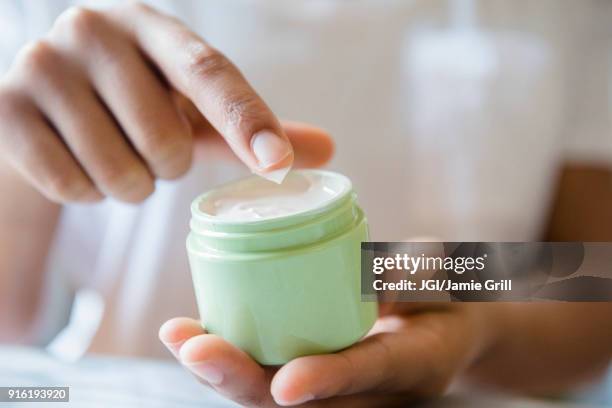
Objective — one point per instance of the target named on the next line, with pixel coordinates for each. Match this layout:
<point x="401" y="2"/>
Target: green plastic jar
<point x="286" y="286"/>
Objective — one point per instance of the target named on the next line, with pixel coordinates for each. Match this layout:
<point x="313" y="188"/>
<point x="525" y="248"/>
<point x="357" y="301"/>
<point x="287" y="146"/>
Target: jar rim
<point x="215" y="222"/>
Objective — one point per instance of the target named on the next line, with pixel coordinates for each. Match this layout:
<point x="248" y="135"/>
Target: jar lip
<point x="206" y="218"/>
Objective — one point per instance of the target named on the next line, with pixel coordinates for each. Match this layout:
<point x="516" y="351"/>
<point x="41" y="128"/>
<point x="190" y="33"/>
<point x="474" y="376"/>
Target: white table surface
<point x="100" y="381"/>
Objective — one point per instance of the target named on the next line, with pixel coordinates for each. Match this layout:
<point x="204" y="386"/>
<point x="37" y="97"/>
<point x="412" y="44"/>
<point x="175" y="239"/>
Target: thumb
<point x="415" y="356"/>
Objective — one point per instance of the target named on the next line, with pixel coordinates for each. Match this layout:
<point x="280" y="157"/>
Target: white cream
<point x="255" y="199"/>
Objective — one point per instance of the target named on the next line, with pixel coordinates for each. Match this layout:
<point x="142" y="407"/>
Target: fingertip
<point x="177" y="167"/>
<point x="171" y="156"/>
<point x="313" y="146"/>
<point x="326" y="149"/>
<point x="294" y="382"/>
<point x="203" y="347"/>
<point x="179" y="329"/>
<point x="281" y="388"/>
<point x="92" y="196"/>
<point x="132" y="186"/>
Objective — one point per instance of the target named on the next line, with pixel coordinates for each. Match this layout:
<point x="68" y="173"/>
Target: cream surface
<point x="255" y="199"/>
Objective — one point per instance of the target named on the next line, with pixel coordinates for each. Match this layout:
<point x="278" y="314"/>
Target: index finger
<point x="216" y="87"/>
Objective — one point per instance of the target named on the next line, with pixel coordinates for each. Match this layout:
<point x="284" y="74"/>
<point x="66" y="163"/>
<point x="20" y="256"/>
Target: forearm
<point x="27" y="224"/>
<point x="546" y="347"/>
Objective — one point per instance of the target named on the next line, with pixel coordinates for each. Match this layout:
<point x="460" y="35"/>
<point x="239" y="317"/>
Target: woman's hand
<point x="110" y="100"/>
<point x="413" y="352"/>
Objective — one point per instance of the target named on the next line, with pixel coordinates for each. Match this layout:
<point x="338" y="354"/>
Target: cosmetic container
<point x="287" y="285"/>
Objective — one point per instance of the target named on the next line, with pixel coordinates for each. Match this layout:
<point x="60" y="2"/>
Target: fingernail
<point x="207" y="372"/>
<point x="276" y="176"/>
<point x="269" y="148"/>
<point x="296" y="401"/>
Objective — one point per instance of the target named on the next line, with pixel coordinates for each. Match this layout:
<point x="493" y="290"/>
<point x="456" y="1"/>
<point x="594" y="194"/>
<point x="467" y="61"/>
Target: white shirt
<point x="449" y="125"/>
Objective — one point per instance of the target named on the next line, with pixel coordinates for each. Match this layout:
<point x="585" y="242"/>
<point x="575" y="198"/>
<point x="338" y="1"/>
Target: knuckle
<point x="80" y="24"/>
<point x="133" y="6"/>
<point x="242" y="109"/>
<point x="79" y="19"/>
<point x="8" y="103"/>
<point x="38" y="58"/>
<point x="204" y="61"/>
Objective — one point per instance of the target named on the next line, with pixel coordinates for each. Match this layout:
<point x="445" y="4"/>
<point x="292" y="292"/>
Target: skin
<point x="111" y="100"/>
